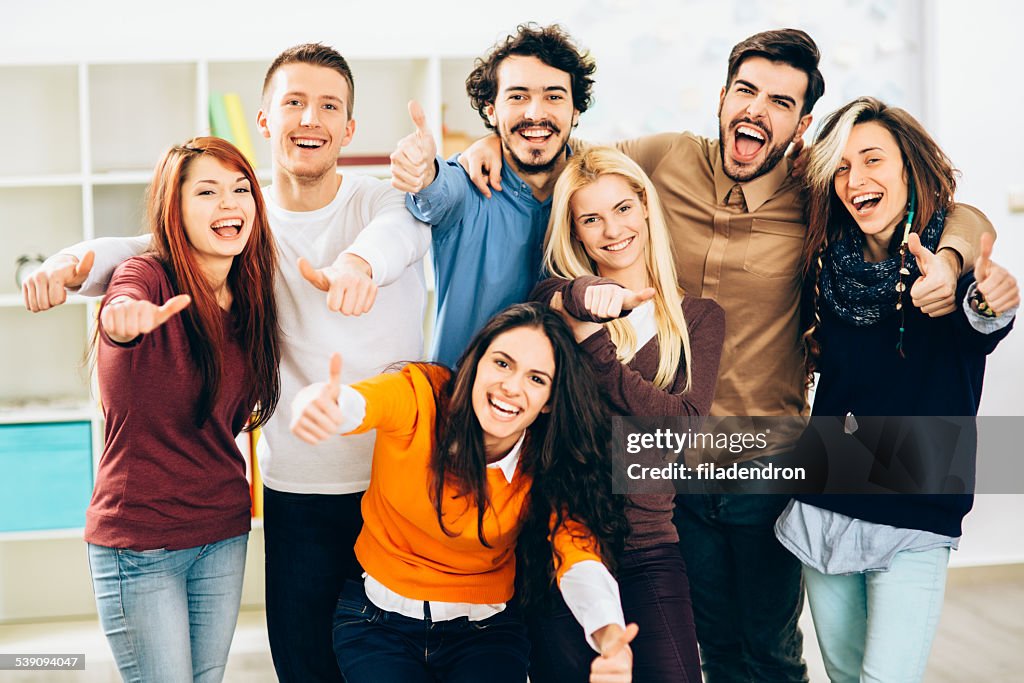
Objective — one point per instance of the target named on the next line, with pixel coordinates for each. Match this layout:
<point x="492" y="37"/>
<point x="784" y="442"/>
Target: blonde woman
<point x="655" y="352"/>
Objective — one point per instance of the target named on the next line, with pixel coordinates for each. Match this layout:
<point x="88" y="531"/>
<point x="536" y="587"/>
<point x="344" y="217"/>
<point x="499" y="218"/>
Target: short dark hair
<point x="790" y="46"/>
<point x="551" y="45"/>
<point x="315" y="54"/>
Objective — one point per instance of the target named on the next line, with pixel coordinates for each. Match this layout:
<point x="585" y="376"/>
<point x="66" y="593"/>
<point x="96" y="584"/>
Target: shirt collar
<point x="511" y="180"/>
<point x="508" y="464"/>
<point x="755" y="192"/>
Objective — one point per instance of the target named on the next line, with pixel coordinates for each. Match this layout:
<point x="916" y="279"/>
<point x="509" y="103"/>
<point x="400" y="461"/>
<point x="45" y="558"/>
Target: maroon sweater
<point x="628" y="388"/>
<point x="163" y="482"/>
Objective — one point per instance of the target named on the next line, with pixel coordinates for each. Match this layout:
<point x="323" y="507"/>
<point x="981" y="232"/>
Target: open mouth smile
<point x="227" y="228"/>
<point x="864" y="203"/>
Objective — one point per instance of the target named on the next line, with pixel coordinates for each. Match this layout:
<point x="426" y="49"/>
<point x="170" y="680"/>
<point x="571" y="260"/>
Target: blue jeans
<point x="377" y="646"/>
<point x="655" y="595"/>
<point x="308" y="540"/>
<point x="746" y="588"/>
<point x="169" y="615"/>
<point x="878" y="627"/>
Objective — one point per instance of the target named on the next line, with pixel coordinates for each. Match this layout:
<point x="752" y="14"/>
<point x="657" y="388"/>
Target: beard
<point x="534" y="163"/>
<point x="745" y="173"/>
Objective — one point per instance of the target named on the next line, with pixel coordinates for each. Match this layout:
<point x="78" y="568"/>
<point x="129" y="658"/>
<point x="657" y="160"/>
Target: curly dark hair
<point x="551" y="45"/>
<point x="566" y="454"/>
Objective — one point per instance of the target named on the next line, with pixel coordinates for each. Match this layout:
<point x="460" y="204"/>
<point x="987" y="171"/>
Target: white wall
<point x="974" y="103"/>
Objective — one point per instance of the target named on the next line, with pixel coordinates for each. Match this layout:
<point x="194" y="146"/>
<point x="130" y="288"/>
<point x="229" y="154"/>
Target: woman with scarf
<point x="875" y="565"/>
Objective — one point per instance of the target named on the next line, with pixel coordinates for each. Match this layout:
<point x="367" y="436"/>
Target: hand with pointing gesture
<point x="315" y="413"/>
<point x="124" y="318"/>
<point x="348" y="282"/>
<point x="935" y="291"/>
<point x="413" y="161"/>
<point x="609" y="301"/>
<point x="995" y="283"/>
<point x="615" y="665"/>
<point x="44" y="288"/>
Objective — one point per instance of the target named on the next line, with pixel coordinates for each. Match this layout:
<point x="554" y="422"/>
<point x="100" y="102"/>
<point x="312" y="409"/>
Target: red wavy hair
<point x="251" y="281"/>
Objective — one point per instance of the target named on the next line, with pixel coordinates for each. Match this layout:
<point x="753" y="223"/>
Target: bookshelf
<point x="81" y="147"/>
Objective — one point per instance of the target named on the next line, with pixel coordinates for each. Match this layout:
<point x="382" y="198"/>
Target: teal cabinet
<point x="45" y="475"/>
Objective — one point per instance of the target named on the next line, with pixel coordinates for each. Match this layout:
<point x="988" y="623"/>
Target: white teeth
<point x="307" y="142"/>
<point x="750" y="132"/>
<point x="228" y="223"/>
<point x="535" y="132"/>
<point x="504" y="407"/>
<point x="861" y="198"/>
<point x="619" y="246"/>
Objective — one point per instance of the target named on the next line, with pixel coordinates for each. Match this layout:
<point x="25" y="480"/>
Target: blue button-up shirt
<point x="487" y="252"/>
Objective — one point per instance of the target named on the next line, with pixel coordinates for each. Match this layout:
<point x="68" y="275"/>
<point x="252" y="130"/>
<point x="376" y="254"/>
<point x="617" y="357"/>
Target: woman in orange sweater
<point x="510" y="448"/>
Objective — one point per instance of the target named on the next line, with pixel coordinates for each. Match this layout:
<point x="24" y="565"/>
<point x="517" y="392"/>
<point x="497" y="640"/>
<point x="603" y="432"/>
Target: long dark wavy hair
<point x="929" y="172"/>
<point x="251" y="280"/>
<point x="565" y="454"/>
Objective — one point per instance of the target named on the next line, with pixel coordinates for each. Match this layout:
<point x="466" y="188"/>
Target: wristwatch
<point x="25" y="265"/>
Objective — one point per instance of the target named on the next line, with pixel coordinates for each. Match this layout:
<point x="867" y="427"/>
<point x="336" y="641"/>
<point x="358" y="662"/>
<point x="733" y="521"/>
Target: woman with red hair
<point x="187" y="349"/>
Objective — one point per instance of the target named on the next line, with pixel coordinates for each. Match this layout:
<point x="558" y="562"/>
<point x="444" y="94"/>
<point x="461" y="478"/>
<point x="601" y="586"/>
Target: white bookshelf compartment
<point x="383" y="88"/>
<point x="36" y="220"/>
<point x="136" y="111"/>
<point x="41" y="358"/>
<point x="246" y="80"/>
<point x="119" y="210"/>
<point x="40" y="116"/>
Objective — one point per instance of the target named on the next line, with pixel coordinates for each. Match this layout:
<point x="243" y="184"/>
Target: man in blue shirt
<point x="530" y="90"/>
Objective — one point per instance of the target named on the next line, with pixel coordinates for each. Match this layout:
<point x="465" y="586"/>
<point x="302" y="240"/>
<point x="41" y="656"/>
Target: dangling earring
<point x="901" y="287"/>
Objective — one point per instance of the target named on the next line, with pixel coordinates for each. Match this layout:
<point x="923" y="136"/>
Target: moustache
<point x="536" y="124"/>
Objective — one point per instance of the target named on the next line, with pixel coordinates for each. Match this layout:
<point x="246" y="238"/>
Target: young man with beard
<point x="312" y="494"/>
<point x="530" y="90"/>
<point x="736" y="216"/>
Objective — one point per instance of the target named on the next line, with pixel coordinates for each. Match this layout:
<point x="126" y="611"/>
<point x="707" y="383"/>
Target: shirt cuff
<point x="979" y="322"/>
<point x="592" y="595"/>
<point x="353" y="408"/>
<point x="375" y="258"/>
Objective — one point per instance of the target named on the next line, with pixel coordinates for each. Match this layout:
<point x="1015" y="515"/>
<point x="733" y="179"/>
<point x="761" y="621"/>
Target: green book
<point x="220" y="125"/>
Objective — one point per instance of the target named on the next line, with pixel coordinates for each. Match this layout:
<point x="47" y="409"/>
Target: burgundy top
<point x="629" y="390"/>
<point x="163" y="482"/>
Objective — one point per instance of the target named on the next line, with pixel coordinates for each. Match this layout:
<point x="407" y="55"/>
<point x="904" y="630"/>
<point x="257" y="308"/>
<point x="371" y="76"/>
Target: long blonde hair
<point x="565" y="257"/>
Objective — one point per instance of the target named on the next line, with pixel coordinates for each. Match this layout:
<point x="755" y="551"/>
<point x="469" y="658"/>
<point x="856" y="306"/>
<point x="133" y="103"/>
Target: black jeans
<point x="309" y="539"/>
<point x="656" y="595"/>
<point x="747" y="589"/>
<point x="377" y="646"/>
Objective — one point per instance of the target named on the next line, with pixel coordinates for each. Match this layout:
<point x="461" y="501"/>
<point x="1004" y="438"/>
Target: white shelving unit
<point x="80" y="151"/>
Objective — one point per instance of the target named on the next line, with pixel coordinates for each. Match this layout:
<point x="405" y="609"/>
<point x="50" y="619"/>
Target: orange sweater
<point x="402" y="544"/>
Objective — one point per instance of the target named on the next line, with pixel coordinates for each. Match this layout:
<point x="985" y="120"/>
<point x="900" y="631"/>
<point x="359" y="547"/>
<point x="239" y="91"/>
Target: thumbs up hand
<point x="996" y="285"/>
<point x="315" y="413"/>
<point x="935" y="291"/>
<point x="616" y="661"/>
<point x="413" y="165"/>
<point x="124" y="318"/>
<point x="44" y="288"/>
